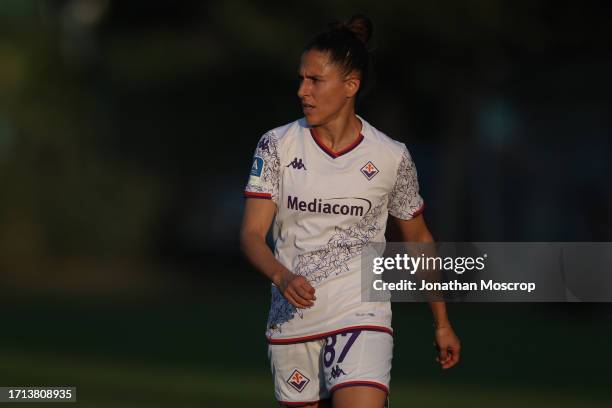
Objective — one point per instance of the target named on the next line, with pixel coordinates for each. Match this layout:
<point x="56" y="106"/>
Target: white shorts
<point x="305" y="373"/>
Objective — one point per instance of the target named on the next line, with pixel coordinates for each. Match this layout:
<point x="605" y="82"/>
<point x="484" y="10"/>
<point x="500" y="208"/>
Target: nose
<point x="302" y="89"/>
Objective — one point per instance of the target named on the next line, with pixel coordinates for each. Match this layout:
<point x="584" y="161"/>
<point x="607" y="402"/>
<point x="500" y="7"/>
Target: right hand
<point x="297" y="290"/>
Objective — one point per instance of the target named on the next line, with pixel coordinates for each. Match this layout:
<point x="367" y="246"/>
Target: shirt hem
<point x="318" y="336"/>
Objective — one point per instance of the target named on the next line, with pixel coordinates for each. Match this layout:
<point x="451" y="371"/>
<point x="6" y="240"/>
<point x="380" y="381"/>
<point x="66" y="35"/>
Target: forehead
<point x="315" y="62"/>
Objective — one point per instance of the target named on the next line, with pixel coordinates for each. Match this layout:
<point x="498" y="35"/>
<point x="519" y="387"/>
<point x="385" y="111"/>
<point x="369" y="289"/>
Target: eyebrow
<point x="309" y="76"/>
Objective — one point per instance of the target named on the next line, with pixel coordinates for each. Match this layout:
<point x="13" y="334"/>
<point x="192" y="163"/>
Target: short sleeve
<point x="404" y="199"/>
<point x="265" y="173"/>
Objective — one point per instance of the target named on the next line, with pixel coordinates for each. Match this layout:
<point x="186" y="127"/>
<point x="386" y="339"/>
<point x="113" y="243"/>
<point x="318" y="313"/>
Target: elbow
<point x="244" y="241"/>
<point x="248" y="239"/>
<point x="426" y="238"/>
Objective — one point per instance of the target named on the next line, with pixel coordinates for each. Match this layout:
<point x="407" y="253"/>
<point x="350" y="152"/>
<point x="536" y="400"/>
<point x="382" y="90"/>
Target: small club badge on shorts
<point x="298" y="380"/>
<point x="369" y="170"/>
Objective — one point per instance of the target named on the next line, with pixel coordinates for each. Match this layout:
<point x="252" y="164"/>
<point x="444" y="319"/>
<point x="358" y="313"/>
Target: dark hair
<point x="346" y="44"/>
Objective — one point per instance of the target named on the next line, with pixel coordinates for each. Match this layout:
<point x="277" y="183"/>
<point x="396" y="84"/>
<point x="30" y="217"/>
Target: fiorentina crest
<point x="298" y="380"/>
<point x="369" y="170"/>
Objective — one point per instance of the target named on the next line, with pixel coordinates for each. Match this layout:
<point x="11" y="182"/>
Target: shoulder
<point x="391" y="147"/>
<point x="286" y="132"/>
<point x="279" y="140"/>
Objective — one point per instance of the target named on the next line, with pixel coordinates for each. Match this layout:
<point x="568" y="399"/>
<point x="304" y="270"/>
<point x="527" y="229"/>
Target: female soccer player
<point x="328" y="181"/>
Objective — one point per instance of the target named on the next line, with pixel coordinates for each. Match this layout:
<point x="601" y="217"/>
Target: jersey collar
<point x="338" y="153"/>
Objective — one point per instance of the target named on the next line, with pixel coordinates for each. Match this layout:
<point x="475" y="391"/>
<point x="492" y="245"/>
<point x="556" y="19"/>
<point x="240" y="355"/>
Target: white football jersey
<point x="329" y="206"/>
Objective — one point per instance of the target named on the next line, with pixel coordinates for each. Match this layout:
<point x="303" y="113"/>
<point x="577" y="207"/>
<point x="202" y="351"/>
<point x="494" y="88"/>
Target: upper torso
<point x="330" y="205"/>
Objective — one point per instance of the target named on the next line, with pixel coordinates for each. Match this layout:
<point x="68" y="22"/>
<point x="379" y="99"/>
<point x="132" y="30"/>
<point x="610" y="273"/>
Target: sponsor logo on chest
<point x="353" y="206"/>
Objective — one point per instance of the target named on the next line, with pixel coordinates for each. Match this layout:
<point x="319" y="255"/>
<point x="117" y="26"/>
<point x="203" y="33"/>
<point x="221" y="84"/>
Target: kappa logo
<point x="298" y="380"/>
<point x="336" y="372"/>
<point x="297" y="164"/>
<point x="369" y="170"/>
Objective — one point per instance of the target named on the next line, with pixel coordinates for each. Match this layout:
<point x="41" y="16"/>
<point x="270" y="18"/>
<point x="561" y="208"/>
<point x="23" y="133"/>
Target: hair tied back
<point x="359" y="25"/>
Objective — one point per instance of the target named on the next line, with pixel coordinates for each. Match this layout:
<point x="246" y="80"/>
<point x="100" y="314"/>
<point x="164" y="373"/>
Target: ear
<point x="352" y="82"/>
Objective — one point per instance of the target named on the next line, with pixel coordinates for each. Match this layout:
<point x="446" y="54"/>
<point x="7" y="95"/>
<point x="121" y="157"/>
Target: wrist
<point x="279" y="276"/>
<point x="442" y="325"/>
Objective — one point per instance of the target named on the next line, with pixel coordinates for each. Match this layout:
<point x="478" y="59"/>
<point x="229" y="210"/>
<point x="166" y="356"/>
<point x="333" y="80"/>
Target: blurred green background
<point x="126" y="132"/>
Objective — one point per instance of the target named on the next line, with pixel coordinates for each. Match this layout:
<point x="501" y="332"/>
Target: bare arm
<point x="258" y="216"/>
<point x="415" y="230"/>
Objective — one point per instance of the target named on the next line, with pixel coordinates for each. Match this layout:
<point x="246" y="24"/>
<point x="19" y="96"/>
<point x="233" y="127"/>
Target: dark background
<point x="126" y="135"/>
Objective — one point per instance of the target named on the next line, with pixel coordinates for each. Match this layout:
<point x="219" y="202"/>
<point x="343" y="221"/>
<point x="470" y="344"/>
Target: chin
<point x="316" y="120"/>
<point x="312" y="121"/>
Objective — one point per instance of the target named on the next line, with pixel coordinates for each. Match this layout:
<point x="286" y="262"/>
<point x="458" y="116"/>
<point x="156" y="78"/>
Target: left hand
<point x="448" y="345"/>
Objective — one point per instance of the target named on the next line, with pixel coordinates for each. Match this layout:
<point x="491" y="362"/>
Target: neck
<point x="341" y="131"/>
